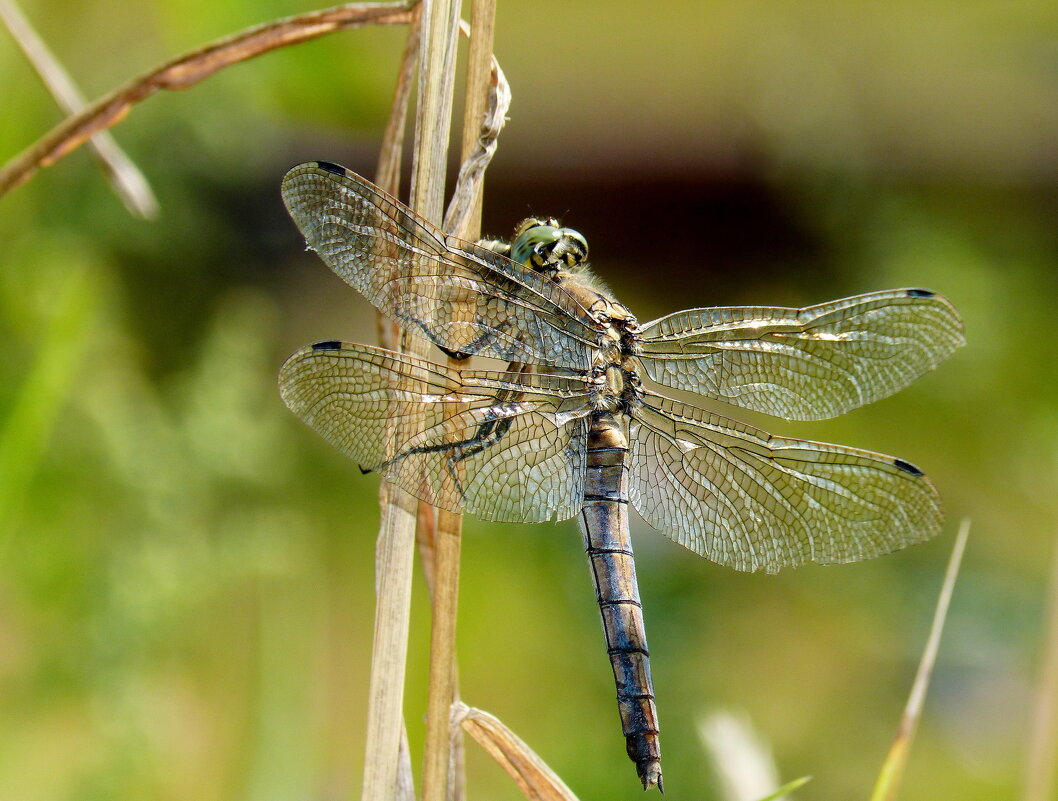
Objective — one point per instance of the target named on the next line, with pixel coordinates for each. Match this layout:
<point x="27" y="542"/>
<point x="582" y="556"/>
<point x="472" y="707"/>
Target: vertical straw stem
<point x="384" y="780"/>
<point x="394" y="557"/>
<point x="443" y="772"/>
<point x="479" y="76"/>
<point x="433" y="127"/>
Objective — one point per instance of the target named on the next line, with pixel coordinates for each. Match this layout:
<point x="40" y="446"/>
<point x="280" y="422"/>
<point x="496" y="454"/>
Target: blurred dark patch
<point x="221" y="227"/>
<point x="708" y="235"/>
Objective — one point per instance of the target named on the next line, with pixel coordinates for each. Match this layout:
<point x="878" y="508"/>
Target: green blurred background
<point x="186" y="586"/>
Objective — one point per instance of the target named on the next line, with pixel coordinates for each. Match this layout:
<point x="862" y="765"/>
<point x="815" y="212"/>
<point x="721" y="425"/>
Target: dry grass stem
<point x="128" y="182"/>
<point x="394" y="558"/>
<point x="432" y="128"/>
<point x="387" y="177"/>
<point x="464" y="212"/>
<point x="185" y="71"/>
<point x="405" y="789"/>
<point x="1042" y="765"/>
<point x="400" y="513"/>
<point x="479" y="143"/>
<point x="443" y="673"/>
<point x="536" y="780"/>
<point x="888" y="783"/>
<point x="488" y="96"/>
<point x="433" y="122"/>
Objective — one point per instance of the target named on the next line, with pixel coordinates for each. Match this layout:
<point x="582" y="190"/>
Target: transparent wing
<point x="502" y="446"/>
<point x="804" y="364"/>
<point x="752" y="501"/>
<point x="464" y="298"/>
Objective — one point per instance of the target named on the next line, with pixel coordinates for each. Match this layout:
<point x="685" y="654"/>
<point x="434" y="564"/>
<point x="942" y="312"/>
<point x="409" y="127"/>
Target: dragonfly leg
<point x="488" y="434"/>
<point x="488" y="337"/>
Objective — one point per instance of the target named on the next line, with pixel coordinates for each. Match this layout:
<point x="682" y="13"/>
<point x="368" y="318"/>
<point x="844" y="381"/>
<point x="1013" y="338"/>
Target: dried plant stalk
<point x="442" y="687"/>
<point x="888" y="783"/>
<point x="397" y="531"/>
<point x="463" y="218"/>
<point x="478" y="81"/>
<point x="433" y="126"/>
<point x="536" y="780"/>
<point x="394" y="557"/>
<point x="128" y="182"/>
<point x="187" y="70"/>
<point x="387" y="177"/>
<point x="387" y="687"/>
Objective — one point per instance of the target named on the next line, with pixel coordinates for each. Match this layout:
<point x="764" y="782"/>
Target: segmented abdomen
<point x="604" y="522"/>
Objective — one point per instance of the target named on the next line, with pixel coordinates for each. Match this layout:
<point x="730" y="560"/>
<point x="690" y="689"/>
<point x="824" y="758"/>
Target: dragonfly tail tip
<point x="650" y="775"/>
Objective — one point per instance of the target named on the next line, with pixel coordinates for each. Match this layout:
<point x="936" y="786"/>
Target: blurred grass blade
<point x="129" y="183"/>
<point x="1042" y="765"/>
<point x="888" y="783"/>
<point x="536" y="780"/>
<point x="787" y="788"/>
<point x="742" y="761"/>
<point x="24" y="433"/>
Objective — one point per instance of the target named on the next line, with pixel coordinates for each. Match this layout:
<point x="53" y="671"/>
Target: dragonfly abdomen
<point x="604" y="522"/>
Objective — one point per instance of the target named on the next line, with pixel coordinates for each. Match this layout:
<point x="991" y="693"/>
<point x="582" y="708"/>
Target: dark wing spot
<point x="907" y="467"/>
<point x="454" y="354"/>
<point x="364" y="470"/>
<point x="920" y="293"/>
<point x="330" y="344"/>
<point x="337" y="169"/>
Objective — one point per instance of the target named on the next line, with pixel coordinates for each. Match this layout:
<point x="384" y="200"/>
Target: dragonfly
<point x="569" y="428"/>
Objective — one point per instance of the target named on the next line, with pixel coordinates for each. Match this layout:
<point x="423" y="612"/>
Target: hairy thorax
<point x="617" y="385"/>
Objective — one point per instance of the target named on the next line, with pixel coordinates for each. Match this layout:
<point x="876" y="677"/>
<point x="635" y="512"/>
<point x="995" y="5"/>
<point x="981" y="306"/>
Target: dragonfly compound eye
<point x="545" y="247"/>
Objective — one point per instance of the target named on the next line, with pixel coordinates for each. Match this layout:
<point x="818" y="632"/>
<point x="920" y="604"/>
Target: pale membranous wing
<point x="804" y="364"/>
<point x="745" y="499"/>
<point x="463" y="297"/>
<point x="502" y="446"/>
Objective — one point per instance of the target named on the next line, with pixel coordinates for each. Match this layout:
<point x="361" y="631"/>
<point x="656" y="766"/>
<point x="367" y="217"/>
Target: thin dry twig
<point x="433" y="124"/>
<point x="397" y="530"/>
<point x="185" y="71"/>
<point x="536" y="780"/>
<point x="1041" y="769"/>
<point x="488" y="97"/>
<point x="128" y="182"/>
<point x="486" y="91"/>
<point x="388" y="177"/>
<point x="394" y="556"/>
<point x="390" y="154"/>
<point x="888" y="783"/>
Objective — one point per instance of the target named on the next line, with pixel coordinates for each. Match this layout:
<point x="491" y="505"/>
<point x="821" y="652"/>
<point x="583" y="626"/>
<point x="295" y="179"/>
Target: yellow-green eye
<point x="544" y="246"/>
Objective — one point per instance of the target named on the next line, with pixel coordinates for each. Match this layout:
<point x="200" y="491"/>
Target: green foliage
<point x="186" y="600"/>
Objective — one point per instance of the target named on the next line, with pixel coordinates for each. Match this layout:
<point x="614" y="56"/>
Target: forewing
<point x="753" y="502"/>
<point x="804" y="364"/>
<point x="501" y="446"/>
<point x="464" y="298"/>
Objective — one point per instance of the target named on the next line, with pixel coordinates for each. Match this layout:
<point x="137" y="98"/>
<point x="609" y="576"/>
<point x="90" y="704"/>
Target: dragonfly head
<point x="546" y="247"/>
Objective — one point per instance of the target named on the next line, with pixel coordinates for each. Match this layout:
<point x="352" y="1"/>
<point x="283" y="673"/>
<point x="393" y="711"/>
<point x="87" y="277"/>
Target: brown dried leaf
<point x="187" y="70"/>
<point x="536" y="780"/>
